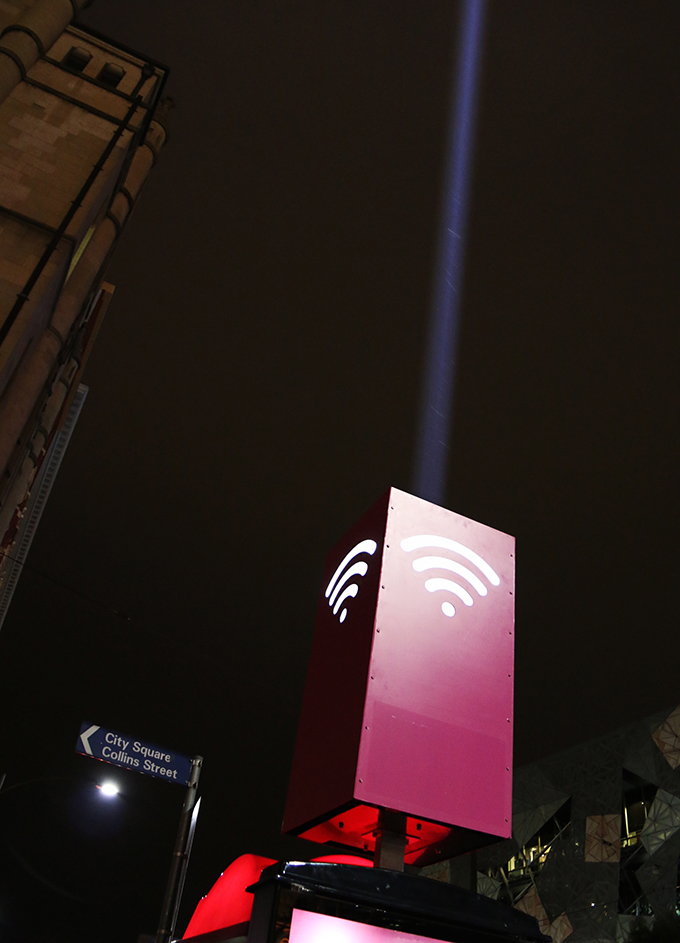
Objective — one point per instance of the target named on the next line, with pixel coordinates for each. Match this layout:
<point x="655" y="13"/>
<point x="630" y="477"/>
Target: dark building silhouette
<point x="80" y="129"/>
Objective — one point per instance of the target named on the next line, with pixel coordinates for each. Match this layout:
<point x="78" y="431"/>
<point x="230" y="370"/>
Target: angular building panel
<point x="596" y="835"/>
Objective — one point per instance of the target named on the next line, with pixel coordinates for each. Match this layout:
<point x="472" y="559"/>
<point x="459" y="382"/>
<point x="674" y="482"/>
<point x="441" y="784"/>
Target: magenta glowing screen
<point x="309" y="927"/>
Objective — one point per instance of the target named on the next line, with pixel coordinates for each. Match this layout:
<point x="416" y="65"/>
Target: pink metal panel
<point x="437" y="728"/>
<point x="408" y="702"/>
<point x="308" y="927"/>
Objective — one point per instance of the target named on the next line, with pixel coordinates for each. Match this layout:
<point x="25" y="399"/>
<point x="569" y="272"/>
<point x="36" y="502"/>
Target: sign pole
<point x="190" y="842"/>
<point x="180" y="858"/>
<point x="390" y="845"/>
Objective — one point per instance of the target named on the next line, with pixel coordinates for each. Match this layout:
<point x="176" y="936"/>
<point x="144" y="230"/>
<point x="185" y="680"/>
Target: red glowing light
<point x="228" y="904"/>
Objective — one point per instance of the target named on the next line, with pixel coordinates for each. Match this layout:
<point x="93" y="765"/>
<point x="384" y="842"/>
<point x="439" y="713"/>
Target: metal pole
<point x="180" y="858"/>
<point x="190" y="842"/>
<point x="390" y="845"/>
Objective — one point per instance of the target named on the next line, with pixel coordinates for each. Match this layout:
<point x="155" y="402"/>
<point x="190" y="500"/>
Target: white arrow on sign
<point x="85" y="737"/>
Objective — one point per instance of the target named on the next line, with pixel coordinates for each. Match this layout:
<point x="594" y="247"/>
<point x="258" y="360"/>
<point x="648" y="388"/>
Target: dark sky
<point x="255" y="388"/>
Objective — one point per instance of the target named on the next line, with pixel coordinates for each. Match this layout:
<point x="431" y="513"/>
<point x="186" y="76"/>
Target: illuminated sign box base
<point x="341" y="903"/>
<point x="409" y="694"/>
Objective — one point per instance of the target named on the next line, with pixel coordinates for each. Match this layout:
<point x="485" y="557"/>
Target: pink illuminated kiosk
<point x="404" y="748"/>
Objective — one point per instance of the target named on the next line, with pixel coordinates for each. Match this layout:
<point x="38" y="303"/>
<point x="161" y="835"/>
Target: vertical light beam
<point x="433" y="436"/>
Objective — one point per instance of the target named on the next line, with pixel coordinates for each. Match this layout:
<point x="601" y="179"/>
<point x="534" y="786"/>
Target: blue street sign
<point x="116" y="748"/>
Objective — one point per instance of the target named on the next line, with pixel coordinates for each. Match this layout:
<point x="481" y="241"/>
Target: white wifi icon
<point x="337" y="590"/>
<point x="436" y="583"/>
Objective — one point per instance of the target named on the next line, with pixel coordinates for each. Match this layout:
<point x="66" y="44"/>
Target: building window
<point x="77" y="58"/>
<point x="111" y="74"/>
<point x="636" y="805"/>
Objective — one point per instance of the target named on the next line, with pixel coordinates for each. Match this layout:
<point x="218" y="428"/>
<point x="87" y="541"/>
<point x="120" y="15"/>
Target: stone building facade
<point x="81" y="125"/>
<point x="596" y="836"/>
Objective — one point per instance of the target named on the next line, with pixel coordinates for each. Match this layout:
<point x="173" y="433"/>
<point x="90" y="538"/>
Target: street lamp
<point x="109" y="789"/>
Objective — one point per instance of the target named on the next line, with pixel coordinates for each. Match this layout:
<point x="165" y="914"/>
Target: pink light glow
<point x="309" y="927"/>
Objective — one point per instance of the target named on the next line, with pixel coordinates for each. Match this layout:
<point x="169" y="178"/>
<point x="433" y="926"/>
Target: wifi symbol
<point x="335" y="594"/>
<point x="434" y="584"/>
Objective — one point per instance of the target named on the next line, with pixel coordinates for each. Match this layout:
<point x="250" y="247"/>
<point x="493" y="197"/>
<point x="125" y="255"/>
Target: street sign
<point x="128" y="753"/>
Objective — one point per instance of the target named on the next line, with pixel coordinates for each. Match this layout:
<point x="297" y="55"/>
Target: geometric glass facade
<point x="596" y="836"/>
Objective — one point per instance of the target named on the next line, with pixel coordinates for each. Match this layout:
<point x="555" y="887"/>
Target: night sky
<point x="256" y="387"/>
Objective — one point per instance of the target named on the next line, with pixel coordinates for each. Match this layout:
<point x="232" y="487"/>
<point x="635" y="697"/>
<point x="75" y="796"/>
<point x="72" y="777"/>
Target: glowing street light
<point x="109" y="789"/>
